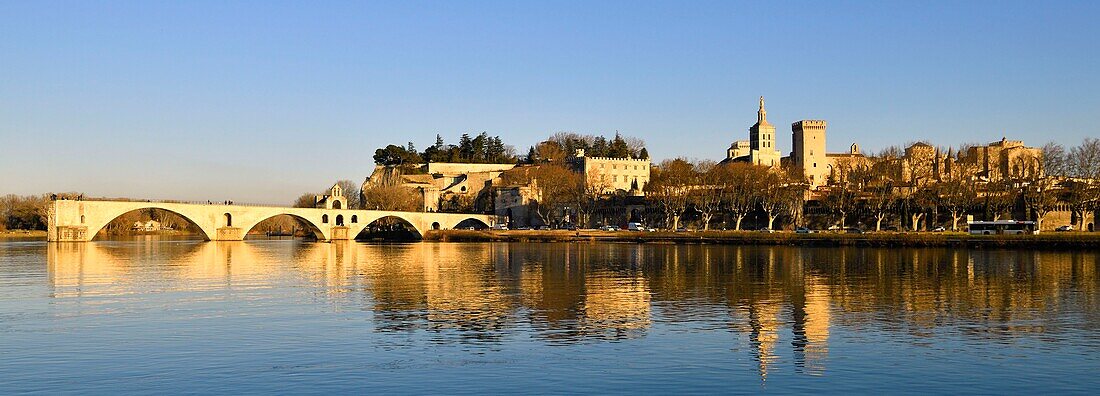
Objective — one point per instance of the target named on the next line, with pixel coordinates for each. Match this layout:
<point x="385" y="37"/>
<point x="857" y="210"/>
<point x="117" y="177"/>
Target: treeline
<point x="593" y="146"/>
<point x="23" y="212"/>
<point x="725" y="193"/>
<point x="480" y="149"/>
<point x="485" y="149"/>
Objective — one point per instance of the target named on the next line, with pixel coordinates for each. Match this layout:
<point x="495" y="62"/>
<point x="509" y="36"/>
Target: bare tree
<point x="351" y="192"/>
<point x="711" y="190"/>
<point x="386" y="196"/>
<point x="1040" y="194"/>
<point x="307" y="200"/>
<point x="744" y="181"/>
<point x="555" y="186"/>
<point x="592" y="192"/>
<point x="1083" y="164"/>
<point x="769" y="196"/>
<point x="957" y="196"/>
<point x="669" y="185"/>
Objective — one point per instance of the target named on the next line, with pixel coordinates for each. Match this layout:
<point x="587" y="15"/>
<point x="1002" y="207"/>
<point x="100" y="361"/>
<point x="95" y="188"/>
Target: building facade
<point x="614" y="174"/>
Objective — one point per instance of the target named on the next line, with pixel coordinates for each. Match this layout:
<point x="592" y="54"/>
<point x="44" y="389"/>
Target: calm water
<point x="296" y="317"/>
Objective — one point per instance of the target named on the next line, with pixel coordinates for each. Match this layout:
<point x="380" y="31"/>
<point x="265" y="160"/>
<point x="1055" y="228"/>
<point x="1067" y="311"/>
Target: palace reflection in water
<point x="775" y="301"/>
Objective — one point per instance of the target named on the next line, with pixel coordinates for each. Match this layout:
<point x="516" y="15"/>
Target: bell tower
<point x="762" y="140"/>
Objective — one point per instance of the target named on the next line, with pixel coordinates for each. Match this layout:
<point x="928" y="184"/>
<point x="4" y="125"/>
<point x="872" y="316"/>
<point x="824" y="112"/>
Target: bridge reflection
<point x="784" y="304"/>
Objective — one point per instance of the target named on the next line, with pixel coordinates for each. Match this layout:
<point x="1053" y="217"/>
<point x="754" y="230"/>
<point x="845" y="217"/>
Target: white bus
<point x="1002" y="227"/>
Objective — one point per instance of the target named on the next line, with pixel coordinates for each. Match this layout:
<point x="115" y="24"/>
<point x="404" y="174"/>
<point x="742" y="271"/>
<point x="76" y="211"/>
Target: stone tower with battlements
<point x="808" y="151"/>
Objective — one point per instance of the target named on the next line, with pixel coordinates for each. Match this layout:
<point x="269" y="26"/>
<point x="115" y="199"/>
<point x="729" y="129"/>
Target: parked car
<point x="503" y="227"/>
<point x="681" y="229"/>
<point x="609" y="228"/>
<point x="854" y="231"/>
<point x="939" y="229"/>
<point x="1064" y="228"/>
<point x="803" y="230"/>
<point x="767" y="230"/>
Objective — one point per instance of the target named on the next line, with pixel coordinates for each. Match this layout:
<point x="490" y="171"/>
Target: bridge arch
<point x="310" y="225"/>
<point x="96" y="225"/>
<point x="357" y="232"/>
<point x="470" y="222"/>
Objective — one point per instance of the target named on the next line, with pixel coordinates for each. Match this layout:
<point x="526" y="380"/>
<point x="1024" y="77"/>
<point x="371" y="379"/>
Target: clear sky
<point x="261" y="101"/>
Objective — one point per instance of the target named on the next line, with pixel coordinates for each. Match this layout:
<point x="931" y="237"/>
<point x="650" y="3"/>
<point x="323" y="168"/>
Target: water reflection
<point x="780" y="303"/>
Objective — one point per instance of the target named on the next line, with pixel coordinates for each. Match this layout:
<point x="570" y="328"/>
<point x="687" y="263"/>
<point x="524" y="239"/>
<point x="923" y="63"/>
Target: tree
<point x="550" y="152"/>
<point x="28" y="212"/>
<point x="880" y="192"/>
<point x="957" y="196"/>
<point x="618" y="148"/>
<point x="643" y="153"/>
<point x="999" y="197"/>
<point x="396" y="155"/>
<point x="1040" y="194"/>
<point x="351" y="192"/>
<point x="1083" y="164"/>
<point x="668" y="185"/>
<point x="711" y="191"/>
<point x="391" y="197"/>
<point x="307" y="200"/>
<point x="793" y="196"/>
<point x="589" y="194"/>
<point x="744" y="179"/>
<point x="555" y="186"/>
<point x="768" y="195"/>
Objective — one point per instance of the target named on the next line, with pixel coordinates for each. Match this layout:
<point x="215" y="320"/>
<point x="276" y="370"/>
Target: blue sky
<point x="261" y="101"/>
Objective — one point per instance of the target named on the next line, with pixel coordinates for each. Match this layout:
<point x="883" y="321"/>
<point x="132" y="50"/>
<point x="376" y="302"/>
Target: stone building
<point x="333" y="200"/>
<point x="760" y="149"/>
<point x="1005" y="159"/>
<point x="613" y="174"/>
<point x="810" y="158"/>
<point x="444" y="184"/>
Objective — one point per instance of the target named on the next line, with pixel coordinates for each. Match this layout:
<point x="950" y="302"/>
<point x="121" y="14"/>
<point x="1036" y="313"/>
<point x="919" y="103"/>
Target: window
<point x="81" y="219"/>
<point x="228" y="220"/>
<point x="324" y="219"/>
<point x="336" y="204"/>
<point x="339" y="220"/>
<point x="354" y="219"/>
<point x="815" y="164"/>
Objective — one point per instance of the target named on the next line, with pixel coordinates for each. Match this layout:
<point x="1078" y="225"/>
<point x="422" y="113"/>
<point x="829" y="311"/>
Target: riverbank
<point x="1071" y="240"/>
<point x="12" y="234"/>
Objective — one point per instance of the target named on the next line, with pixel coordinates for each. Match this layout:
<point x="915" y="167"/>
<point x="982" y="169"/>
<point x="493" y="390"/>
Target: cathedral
<point x="760" y="148"/>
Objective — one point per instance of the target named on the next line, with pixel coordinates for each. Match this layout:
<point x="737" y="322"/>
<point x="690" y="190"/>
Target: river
<point x="286" y="316"/>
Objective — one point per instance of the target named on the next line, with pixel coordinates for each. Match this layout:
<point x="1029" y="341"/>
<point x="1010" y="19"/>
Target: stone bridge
<point x="80" y="221"/>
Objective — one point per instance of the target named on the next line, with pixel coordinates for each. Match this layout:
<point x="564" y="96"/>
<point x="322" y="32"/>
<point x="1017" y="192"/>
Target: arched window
<point x="339" y="220"/>
<point x="354" y="219"/>
<point x="435" y="226"/>
<point x="81" y="219"/>
<point x="228" y="220"/>
<point x="336" y="204"/>
<point x="324" y="219"/>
